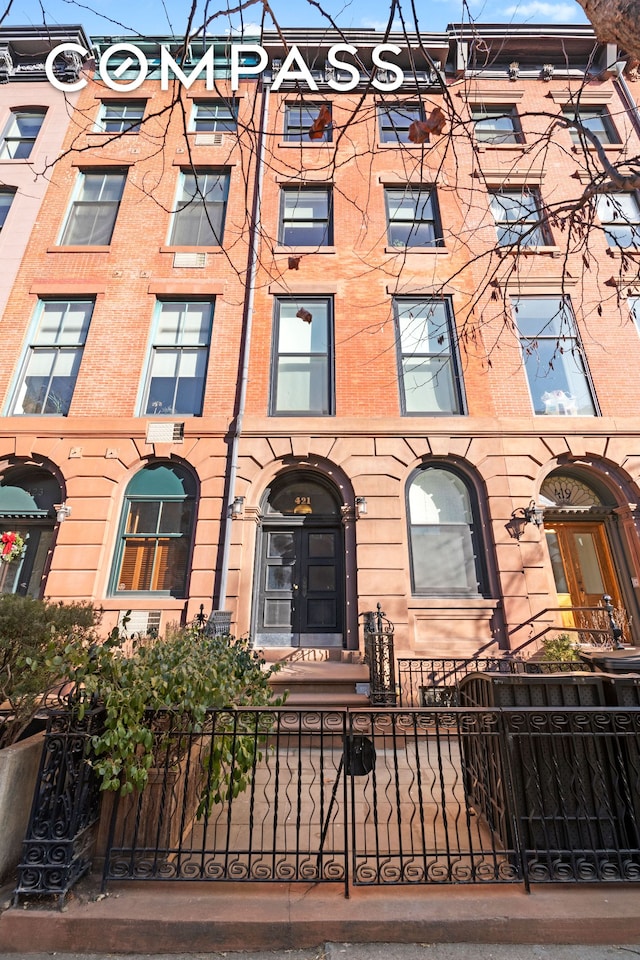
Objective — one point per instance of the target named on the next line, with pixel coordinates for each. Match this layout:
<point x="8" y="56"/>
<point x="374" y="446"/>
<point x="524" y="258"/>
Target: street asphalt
<point x="382" y="951"/>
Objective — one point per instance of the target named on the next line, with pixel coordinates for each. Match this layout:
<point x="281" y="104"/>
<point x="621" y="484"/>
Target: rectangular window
<point x="429" y="382"/>
<point x="93" y="213"/>
<point x="395" y="120"/>
<point x="120" y="117"/>
<point x="178" y="361"/>
<point x="6" y="199"/>
<point x="200" y="212"/>
<point x="305" y="217"/>
<point x="595" y="119"/>
<point x="20" y="134"/>
<point x="619" y="215"/>
<point x="552" y="356"/>
<point x="214" y="116"/>
<point x="302" y="381"/>
<point x="496" y="124"/>
<point x="412" y="217"/>
<point x="53" y="359"/>
<point x="517" y="214"/>
<point x="300" y="117"/>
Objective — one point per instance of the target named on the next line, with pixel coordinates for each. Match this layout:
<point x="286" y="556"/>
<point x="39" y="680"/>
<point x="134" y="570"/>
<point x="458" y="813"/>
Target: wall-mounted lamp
<point x="237" y="507"/>
<point x="521" y="516"/>
<point x="361" y="506"/>
<point x="63" y="510"/>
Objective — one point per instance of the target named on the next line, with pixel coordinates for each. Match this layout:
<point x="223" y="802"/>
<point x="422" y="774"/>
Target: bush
<point x="560" y="648"/>
<point x="166" y="684"/>
<point x="29" y="631"/>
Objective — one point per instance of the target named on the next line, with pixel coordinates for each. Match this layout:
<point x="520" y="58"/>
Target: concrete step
<point x="322" y="684"/>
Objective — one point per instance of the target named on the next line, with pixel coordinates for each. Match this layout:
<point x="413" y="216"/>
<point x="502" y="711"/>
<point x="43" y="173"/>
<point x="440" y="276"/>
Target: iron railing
<point x="379" y="656"/>
<point x="424" y="682"/>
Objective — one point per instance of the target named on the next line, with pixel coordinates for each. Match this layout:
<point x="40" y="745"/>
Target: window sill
<point x="408" y="251"/>
<point x="481" y="146"/>
<point x="191" y="249"/>
<point x="607" y="147"/>
<point x="623" y="251"/>
<point x="532" y="251"/>
<point x="293" y="251"/>
<point x="79" y="248"/>
<point x="389" y="145"/>
<point x="303" y="144"/>
<point x="101" y="134"/>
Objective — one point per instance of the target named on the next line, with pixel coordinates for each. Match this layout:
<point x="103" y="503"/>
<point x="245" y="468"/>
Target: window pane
<point x="428" y="386"/>
<point x="298" y="337"/>
<point x="303" y="385"/>
<point x="411" y="218"/>
<point x="6" y="199"/>
<point x="93" y="214"/>
<point x="395" y="122"/>
<point x="619" y="214"/>
<point x="143" y="517"/>
<point x="443" y="559"/>
<point x="214" y="116"/>
<point x="305" y="218"/>
<point x="424" y="326"/>
<point x="177" y="376"/>
<point x="20" y="134"/>
<point x="121" y="117"/>
<point x="496" y="125"/>
<point x="438" y="496"/>
<point x="199" y="218"/>
<point x="557" y="380"/>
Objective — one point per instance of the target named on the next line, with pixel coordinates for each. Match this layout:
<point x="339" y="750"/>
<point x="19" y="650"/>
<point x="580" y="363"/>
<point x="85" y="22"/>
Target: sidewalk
<point x="174" y="918"/>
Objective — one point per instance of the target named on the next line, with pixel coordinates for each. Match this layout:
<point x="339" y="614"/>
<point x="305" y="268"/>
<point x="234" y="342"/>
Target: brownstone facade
<point x="359" y="390"/>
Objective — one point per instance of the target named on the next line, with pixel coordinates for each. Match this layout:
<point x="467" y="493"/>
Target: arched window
<point x="154" y="544"/>
<point x="28" y="496"/>
<point x="445" y="560"/>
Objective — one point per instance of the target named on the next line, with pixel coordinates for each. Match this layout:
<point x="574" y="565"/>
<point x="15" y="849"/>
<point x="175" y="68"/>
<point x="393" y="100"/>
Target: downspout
<point x="627" y="96"/>
<point x="246" y="347"/>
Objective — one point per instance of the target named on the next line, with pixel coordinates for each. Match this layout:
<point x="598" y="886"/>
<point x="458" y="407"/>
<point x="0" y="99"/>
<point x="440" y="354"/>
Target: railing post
<point x="616" y="631"/>
<point x="378" y="654"/>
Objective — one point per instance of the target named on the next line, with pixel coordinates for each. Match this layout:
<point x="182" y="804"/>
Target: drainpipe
<point x="246" y="347"/>
<point x="627" y="96"/>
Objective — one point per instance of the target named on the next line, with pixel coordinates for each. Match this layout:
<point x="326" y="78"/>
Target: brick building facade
<point x="289" y="376"/>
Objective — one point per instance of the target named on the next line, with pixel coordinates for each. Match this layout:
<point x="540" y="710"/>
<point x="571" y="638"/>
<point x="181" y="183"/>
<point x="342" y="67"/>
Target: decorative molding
<point x="555" y="285"/>
<point x="581" y="95"/>
<point x="498" y="176"/>
<point x="504" y="95"/>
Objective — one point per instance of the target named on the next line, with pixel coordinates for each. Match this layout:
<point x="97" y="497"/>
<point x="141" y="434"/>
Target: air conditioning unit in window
<point x="165" y="432"/>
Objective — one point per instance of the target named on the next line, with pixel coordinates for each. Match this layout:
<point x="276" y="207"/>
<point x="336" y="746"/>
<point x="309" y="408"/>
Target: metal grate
<point x="190" y="260"/>
<point x="165" y="432"/>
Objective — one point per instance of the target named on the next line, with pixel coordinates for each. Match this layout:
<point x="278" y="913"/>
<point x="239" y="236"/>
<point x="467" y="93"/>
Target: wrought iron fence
<point x="424" y="682"/>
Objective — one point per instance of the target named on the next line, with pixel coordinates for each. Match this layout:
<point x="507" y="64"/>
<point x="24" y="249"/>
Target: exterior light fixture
<point x="361" y="506"/>
<point x="237" y="507"/>
<point x="63" y="510"/>
<point x="534" y="514"/>
<point x="521" y="516"/>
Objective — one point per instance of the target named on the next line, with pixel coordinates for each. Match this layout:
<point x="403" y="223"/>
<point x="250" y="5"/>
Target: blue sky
<point x="148" y="17"/>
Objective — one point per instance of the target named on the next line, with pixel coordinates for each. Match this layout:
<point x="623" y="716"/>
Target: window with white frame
<point x="92" y="216"/>
<point x="20" y="134"/>
<point x="52" y="362"/>
<point x="634" y="307"/>
<point x="6" y="199"/>
<point x="552" y="355"/>
<point x="305" y="216"/>
<point x="518" y="217"/>
<point x="446" y="559"/>
<point x="200" y="211"/>
<point x="178" y="360"/>
<point x="595" y="119"/>
<point x="412" y="217"/>
<point x="302" y="376"/>
<point x="496" y="124"/>
<point x="394" y="120"/>
<point x="214" y="116"/>
<point x="619" y="214"/>
<point x="118" y="116"/>
<point x="429" y="382"/>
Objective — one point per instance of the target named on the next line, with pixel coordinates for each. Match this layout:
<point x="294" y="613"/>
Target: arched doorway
<point x="28" y="496"/>
<point x="299" y="595"/>
<point x="578" y="531"/>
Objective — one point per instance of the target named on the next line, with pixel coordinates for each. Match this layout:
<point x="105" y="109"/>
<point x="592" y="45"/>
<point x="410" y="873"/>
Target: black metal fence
<point x="424" y="682"/>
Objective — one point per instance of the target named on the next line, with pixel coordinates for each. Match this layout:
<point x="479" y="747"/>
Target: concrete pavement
<point x="387" y="951"/>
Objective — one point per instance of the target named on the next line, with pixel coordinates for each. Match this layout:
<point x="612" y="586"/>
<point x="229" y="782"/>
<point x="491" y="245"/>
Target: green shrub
<point x="560" y="648"/>
<point x="29" y="631"/>
<point x="185" y="672"/>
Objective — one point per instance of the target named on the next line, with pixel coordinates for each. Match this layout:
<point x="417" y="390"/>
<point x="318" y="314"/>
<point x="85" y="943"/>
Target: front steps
<point x="324" y="683"/>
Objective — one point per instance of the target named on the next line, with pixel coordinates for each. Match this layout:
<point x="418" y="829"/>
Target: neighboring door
<point x="301" y="588"/>
<point x="582" y="565"/>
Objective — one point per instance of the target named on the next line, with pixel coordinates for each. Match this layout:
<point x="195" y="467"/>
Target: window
<point x="199" y="217"/>
<point x="156" y="529"/>
<point x="300" y="117"/>
<point x="93" y="213"/>
<point x="302" y="375"/>
<point x="20" y="134"/>
<point x="412" y="217"/>
<point x="305" y="217"/>
<point x="395" y="120"/>
<point x="6" y="199"/>
<point x="634" y="307"/>
<point x="178" y="362"/>
<point x="553" y="357"/>
<point x="428" y="378"/>
<point x="214" y="116"/>
<point x="53" y="359"/>
<point x="496" y="124"/>
<point x="518" y="218"/>
<point x="619" y="215"/>
<point x="595" y="119"/>
<point x="28" y="495"/>
<point x="445" y="558"/>
<point x="125" y="117"/>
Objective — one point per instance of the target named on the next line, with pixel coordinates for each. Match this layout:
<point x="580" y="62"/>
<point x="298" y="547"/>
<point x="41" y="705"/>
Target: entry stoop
<point x="322" y="684"/>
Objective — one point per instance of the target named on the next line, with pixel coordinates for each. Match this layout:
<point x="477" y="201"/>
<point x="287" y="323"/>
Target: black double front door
<point x="301" y="590"/>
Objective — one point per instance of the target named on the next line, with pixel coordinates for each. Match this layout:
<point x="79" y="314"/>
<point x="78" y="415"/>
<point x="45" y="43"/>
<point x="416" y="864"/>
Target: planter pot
<point x="18" y="774"/>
